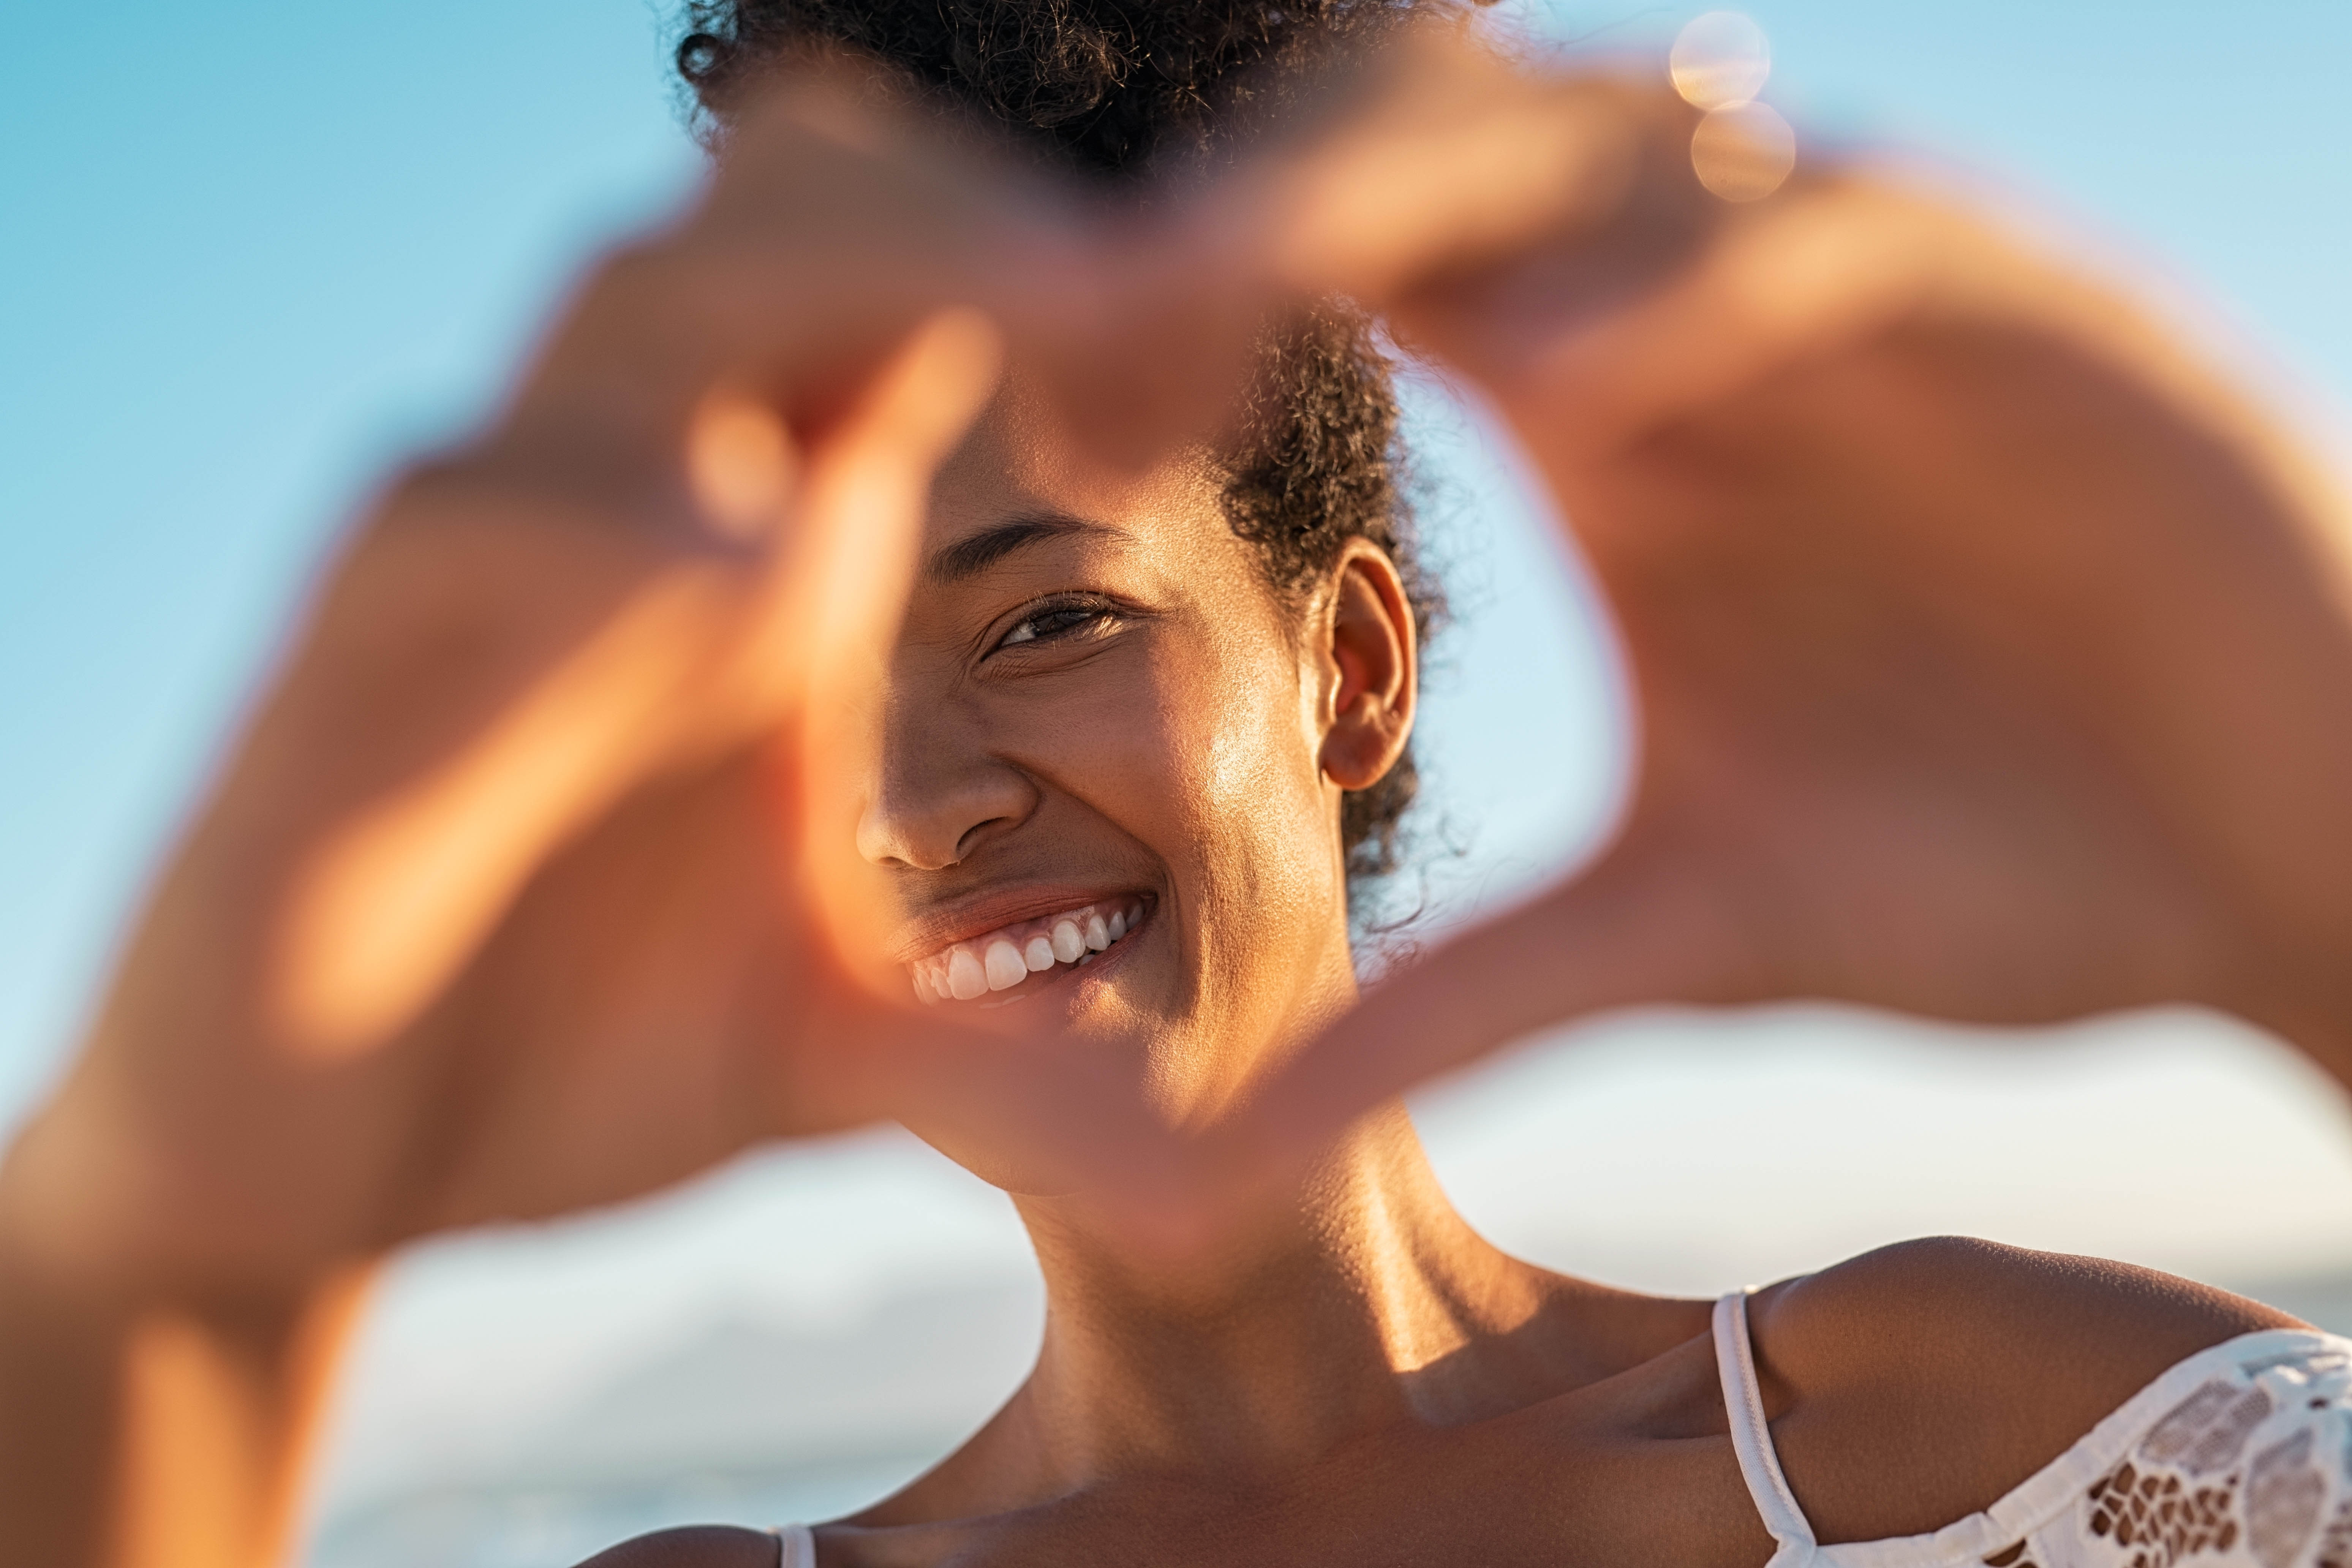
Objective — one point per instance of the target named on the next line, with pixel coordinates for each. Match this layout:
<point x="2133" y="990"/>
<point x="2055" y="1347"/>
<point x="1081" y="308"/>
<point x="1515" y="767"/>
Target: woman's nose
<point x="930" y="808"/>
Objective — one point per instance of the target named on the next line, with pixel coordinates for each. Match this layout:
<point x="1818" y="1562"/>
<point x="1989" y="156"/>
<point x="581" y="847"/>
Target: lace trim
<point x="2163" y="1470"/>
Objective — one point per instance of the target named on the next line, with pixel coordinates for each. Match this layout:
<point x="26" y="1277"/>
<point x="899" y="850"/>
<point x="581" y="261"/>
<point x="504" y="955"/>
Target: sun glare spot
<point x="1743" y="153"/>
<point x="1721" y="60"/>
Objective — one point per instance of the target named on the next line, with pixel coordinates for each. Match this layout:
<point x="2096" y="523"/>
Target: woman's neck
<point x="1373" y="1303"/>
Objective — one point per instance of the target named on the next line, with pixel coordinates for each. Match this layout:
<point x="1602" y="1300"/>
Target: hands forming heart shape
<point x="1993" y="658"/>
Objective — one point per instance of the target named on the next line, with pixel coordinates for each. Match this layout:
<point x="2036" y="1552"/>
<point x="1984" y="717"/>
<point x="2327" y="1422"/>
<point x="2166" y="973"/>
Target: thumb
<point x="1638" y="927"/>
<point x="1827" y="264"/>
<point x="1632" y="930"/>
<point x="840" y="594"/>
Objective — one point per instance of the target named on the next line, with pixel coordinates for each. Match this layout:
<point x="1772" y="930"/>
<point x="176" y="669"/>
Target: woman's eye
<point x="1058" y="620"/>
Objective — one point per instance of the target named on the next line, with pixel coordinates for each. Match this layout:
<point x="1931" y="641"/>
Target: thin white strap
<point x="1751" y="1439"/>
<point x="795" y="1546"/>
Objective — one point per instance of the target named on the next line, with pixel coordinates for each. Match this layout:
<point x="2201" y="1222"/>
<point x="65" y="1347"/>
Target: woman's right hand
<point x="1990" y="648"/>
<point x="510" y="900"/>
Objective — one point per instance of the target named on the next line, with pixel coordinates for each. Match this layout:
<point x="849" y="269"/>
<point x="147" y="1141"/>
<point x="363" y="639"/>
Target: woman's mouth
<point x="1001" y="959"/>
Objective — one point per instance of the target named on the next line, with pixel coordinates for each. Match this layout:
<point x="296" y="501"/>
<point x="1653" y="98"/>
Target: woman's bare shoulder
<point x="694" y="1546"/>
<point x="1985" y="1313"/>
<point x="1923" y="1381"/>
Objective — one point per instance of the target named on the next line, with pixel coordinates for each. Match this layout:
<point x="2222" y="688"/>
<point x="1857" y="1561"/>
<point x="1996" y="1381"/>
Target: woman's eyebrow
<point x="976" y="553"/>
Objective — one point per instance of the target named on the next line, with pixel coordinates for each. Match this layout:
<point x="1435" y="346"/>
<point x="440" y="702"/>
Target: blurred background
<point x="252" y="252"/>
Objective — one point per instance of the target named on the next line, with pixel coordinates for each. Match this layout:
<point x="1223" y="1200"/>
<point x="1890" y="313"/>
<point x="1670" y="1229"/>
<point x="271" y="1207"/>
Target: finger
<point x="841" y="584"/>
<point x="842" y="542"/>
<point x="887" y="218"/>
<point x="1434" y="154"/>
<point x="467" y="782"/>
<point x="980" y="1088"/>
<point x="1636" y="928"/>
<point x="388" y="907"/>
<point x="1437" y="156"/>
<point x="839" y="593"/>
<point x="1137" y="358"/>
<point x="659" y="324"/>
<point x="831" y="227"/>
<point x="1818" y="269"/>
<point x="1640" y="927"/>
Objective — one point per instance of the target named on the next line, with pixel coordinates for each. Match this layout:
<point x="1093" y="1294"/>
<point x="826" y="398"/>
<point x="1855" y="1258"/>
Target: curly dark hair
<point x="1109" y="89"/>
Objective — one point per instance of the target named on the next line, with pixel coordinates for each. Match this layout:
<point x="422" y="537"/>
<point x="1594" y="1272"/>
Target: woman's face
<point x="1102" y="795"/>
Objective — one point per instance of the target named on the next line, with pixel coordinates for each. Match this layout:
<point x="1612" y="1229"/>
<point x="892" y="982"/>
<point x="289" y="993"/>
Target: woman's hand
<point x="532" y="883"/>
<point x="1992" y="654"/>
<point x="510" y="900"/>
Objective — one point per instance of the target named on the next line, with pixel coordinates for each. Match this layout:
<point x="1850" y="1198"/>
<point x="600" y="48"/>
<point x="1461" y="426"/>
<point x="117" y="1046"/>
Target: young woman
<point x="618" y="750"/>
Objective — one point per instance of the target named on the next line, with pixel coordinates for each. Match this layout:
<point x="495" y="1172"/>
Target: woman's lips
<point x="1001" y="959"/>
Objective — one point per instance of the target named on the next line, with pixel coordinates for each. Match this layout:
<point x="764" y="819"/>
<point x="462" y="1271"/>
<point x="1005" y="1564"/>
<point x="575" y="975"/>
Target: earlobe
<point x="1373" y="671"/>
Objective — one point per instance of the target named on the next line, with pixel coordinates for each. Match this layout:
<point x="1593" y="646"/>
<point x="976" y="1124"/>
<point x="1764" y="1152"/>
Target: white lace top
<point x="2241" y="1456"/>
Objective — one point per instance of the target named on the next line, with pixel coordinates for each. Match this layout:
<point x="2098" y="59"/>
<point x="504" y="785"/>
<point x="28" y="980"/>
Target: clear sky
<point x="250" y="250"/>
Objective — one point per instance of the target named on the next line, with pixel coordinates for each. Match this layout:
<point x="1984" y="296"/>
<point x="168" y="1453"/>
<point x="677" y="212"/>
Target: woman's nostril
<point x="973" y="836"/>
<point x="930" y="808"/>
<point x="889" y="838"/>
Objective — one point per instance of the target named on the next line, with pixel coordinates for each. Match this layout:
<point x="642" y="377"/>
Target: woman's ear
<point x="1370" y="668"/>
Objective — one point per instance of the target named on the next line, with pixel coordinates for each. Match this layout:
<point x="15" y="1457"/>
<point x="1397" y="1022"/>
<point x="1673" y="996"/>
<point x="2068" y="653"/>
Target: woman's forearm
<point x="138" y="1431"/>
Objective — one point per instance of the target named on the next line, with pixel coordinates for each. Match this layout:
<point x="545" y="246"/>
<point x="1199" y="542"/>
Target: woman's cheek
<point x="1261" y="799"/>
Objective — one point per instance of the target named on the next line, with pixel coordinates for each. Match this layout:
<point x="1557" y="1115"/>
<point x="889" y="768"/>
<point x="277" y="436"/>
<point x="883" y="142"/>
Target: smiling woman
<point x="849" y="598"/>
<point x="1118" y="95"/>
<point x="1139" y="732"/>
<point x="1110" y="726"/>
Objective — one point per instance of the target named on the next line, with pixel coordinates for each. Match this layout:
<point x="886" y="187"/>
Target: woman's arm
<point x="147" y="1434"/>
<point x="523" y="891"/>
<point x="1991" y="647"/>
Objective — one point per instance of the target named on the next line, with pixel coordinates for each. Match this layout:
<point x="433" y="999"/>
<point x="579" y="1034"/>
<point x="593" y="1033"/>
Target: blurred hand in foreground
<point x="532" y="883"/>
<point x="501" y="905"/>
<point x="1991" y="650"/>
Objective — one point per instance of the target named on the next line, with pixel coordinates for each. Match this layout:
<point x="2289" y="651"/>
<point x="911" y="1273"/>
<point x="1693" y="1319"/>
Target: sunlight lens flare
<point x="1743" y="153"/>
<point x="1721" y="60"/>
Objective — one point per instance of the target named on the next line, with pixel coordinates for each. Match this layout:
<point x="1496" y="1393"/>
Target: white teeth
<point x="1005" y="957"/>
<point x="1005" y="965"/>
<point x="966" y="979"/>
